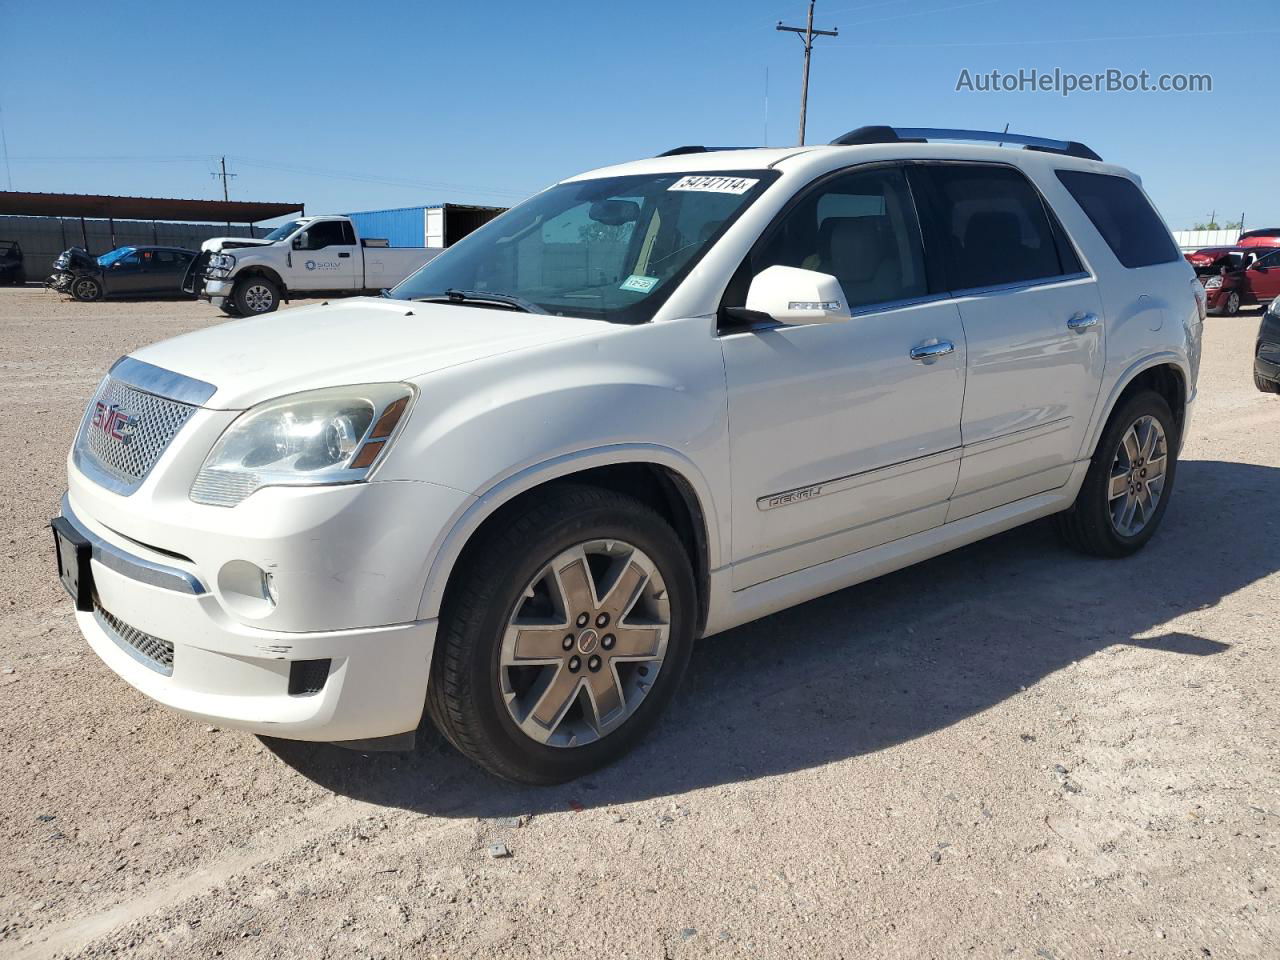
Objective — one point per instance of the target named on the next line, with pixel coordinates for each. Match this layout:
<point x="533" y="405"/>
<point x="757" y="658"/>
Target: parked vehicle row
<point x="651" y="403"/>
<point x="132" y="271"/>
<point x="311" y="255"/>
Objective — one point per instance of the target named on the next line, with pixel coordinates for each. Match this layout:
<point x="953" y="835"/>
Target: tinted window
<point x="859" y="227"/>
<point x="1271" y="261"/>
<point x="348" y="234"/>
<point x="1123" y="216"/>
<point x="995" y="226"/>
<point x="324" y="234"/>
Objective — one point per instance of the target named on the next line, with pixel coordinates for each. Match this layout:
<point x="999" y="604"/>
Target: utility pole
<point x="806" y="34"/>
<point x="225" y="176"/>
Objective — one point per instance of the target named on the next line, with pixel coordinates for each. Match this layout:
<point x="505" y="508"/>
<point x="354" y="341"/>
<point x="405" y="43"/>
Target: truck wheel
<point x="253" y="295"/>
<point x="86" y="289"/>
<point x="1130" y="479"/>
<point x="564" y="636"/>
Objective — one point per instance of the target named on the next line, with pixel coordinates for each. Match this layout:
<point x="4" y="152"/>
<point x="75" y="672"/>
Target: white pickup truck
<point x="315" y="255"/>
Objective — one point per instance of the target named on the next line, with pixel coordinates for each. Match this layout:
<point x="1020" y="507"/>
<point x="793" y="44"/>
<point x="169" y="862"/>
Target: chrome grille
<point x="125" y="431"/>
<point x="148" y="650"/>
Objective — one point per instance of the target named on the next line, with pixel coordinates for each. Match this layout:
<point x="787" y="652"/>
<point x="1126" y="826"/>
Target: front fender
<point x="448" y="548"/>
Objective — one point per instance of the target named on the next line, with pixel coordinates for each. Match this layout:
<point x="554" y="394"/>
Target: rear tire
<point x="519" y="576"/>
<point x="1096" y="523"/>
<point x="1101" y="522"/>
<point x="86" y="289"/>
<point x="255" y="295"/>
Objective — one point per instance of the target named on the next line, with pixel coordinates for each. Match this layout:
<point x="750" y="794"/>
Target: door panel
<point x="841" y="439"/>
<point x="327" y="258"/>
<point x="1031" y="389"/>
<point x="1033" y="323"/>
<point x="835" y="430"/>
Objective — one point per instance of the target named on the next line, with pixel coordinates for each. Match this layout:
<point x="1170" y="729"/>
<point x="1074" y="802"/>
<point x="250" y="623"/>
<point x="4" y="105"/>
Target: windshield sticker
<point x="639" y="284"/>
<point x="736" y="185"/>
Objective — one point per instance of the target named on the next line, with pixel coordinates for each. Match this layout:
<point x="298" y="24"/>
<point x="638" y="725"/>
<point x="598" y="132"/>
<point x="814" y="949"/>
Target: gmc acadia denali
<point x="651" y="403"/>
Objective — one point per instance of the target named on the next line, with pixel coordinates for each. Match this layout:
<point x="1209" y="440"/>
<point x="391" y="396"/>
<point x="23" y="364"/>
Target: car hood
<point x="363" y="340"/>
<point x="215" y="244"/>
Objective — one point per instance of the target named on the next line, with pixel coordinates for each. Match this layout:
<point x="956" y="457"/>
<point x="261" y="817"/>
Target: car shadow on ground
<point x="880" y="663"/>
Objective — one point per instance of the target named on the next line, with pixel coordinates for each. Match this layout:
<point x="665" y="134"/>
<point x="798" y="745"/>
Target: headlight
<point x="220" y="265"/>
<point x="316" y="438"/>
<point x="1213" y="283"/>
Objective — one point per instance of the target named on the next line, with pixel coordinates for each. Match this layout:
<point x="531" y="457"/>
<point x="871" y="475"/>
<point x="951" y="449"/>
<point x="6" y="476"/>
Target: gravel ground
<point x="1008" y="751"/>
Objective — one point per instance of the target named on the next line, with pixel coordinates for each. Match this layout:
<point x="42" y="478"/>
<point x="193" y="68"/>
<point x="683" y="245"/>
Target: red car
<point x="1268" y="237"/>
<point x="1235" y="276"/>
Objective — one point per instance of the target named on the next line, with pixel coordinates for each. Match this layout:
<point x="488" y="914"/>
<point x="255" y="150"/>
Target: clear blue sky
<point x="359" y="105"/>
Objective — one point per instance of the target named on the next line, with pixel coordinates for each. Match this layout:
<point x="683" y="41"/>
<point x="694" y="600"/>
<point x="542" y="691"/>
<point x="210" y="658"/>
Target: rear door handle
<point x="929" y="352"/>
<point x="1082" y="322"/>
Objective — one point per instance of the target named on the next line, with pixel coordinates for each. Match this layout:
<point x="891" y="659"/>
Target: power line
<point x="806" y="33"/>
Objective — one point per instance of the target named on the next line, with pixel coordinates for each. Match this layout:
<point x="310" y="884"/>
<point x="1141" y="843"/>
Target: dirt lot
<point x="1008" y="751"/>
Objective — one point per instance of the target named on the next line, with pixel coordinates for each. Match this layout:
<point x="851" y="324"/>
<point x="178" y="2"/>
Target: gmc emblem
<point x="114" y="422"/>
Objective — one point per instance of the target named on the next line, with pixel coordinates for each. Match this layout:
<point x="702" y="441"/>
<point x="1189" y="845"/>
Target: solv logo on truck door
<point x="312" y="265"/>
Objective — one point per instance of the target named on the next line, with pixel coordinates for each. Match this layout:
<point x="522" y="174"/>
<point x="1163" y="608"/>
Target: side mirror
<point x="299" y="241"/>
<point x="794" y="296"/>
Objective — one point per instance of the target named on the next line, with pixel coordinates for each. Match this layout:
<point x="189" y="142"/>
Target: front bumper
<point x="1267" y="367"/>
<point x="218" y="288"/>
<point x="349" y="563"/>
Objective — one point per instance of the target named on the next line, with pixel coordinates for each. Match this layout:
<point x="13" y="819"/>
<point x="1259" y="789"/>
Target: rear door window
<point x="1124" y="217"/>
<point x="995" y="228"/>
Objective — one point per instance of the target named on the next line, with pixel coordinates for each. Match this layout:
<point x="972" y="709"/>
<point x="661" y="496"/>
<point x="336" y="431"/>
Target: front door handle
<point x="1082" y="322"/>
<point x="344" y="255"/>
<point x="929" y="352"/>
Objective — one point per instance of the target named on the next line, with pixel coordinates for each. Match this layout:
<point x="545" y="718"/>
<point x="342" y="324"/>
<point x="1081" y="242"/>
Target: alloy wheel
<point x="258" y="298"/>
<point x="585" y="643"/>
<point x="1138" y="476"/>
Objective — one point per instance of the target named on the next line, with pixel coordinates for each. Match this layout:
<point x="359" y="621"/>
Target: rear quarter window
<point x="1124" y="217"/>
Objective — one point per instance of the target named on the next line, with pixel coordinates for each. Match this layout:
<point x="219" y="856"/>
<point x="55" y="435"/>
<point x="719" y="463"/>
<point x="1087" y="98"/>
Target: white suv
<point x="651" y="403"/>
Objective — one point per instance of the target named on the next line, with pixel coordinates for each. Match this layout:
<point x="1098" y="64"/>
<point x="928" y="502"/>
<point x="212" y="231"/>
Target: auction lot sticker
<point x="714" y="184"/>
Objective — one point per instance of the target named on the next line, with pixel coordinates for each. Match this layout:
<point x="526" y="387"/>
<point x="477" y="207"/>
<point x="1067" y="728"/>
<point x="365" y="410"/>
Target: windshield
<point x="107" y="259"/>
<point x="610" y="249"/>
<point x="282" y="231"/>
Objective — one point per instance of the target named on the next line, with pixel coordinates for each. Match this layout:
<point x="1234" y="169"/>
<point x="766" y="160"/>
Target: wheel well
<point x="1166" y="380"/>
<point x="265" y="273"/>
<point x="659" y="488"/>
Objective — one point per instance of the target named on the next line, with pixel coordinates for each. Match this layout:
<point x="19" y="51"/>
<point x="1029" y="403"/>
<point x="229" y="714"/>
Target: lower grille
<point x="148" y="650"/>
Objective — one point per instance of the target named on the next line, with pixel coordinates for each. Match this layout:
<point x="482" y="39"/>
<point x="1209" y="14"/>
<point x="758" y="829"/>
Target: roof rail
<point x="679" y="151"/>
<point x="881" y="134"/>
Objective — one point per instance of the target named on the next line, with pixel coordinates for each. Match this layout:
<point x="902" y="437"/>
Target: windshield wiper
<point x="453" y="295"/>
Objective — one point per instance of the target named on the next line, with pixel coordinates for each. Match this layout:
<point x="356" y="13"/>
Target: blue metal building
<point x="434" y="225"/>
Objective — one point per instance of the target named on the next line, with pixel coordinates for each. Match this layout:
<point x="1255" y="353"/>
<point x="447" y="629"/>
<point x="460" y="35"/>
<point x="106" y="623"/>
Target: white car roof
<point x="818" y="158"/>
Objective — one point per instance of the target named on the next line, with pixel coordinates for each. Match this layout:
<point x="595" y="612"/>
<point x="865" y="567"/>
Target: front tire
<point x="1130" y="480"/>
<point x="1265" y="385"/>
<point x="566" y="633"/>
<point x="254" y="295"/>
<point x="1231" y="306"/>
<point x="86" y="289"/>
